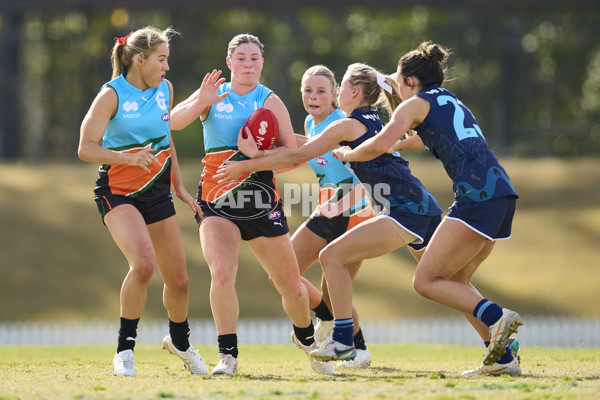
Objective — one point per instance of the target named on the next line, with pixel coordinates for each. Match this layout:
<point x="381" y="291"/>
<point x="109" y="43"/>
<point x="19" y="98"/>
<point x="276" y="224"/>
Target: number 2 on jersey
<point x="462" y="132"/>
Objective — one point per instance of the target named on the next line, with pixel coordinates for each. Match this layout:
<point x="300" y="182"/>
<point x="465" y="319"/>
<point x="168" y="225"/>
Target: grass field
<point x="282" y="371"/>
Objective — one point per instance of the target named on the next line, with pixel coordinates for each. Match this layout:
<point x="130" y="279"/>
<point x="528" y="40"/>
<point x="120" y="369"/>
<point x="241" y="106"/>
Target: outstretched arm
<point x="329" y="139"/>
<point x="407" y="116"/>
<point x="413" y="142"/>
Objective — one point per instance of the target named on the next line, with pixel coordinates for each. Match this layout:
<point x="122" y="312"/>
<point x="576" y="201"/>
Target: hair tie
<point x="381" y="82"/>
<point x="394" y="76"/>
<point x="122" y="40"/>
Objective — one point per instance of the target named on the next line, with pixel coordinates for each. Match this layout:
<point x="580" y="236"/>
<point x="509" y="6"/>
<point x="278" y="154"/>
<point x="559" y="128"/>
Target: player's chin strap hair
<point x="381" y="82"/>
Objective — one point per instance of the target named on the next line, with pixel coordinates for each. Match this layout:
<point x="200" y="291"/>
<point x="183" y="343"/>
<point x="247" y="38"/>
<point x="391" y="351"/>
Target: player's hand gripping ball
<point x="264" y="128"/>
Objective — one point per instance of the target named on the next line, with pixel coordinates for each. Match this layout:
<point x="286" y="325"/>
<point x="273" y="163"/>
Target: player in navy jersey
<point x="130" y="116"/>
<point x="232" y="214"/>
<point x="484" y="198"/>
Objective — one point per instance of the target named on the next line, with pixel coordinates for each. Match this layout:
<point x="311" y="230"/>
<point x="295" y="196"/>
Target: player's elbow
<point x="82" y="153"/>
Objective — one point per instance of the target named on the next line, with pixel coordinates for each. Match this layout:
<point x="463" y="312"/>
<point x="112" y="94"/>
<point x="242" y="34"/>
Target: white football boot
<point x="227" y="365"/>
<point x="192" y="361"/>
<point x="123" y="363"/>
<point x="325" y="368"/>
<point x="499" y="334"/>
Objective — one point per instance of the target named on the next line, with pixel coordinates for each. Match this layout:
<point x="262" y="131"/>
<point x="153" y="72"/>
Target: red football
<point x="264" y="128"/>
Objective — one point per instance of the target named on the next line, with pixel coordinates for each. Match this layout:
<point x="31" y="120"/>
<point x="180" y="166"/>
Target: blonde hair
<point x="144" y="41"/>
<point x="365" y="76"/>
<point x="321" y="70"/>
<point x="241" y="39"/>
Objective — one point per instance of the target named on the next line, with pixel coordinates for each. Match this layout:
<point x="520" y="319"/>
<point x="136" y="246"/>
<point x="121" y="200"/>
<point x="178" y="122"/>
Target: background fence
<point x="542" y="332"/>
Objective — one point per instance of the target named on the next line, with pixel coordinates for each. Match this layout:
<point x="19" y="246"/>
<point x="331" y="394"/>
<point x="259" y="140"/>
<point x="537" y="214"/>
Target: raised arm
<point x="198" y="103"/>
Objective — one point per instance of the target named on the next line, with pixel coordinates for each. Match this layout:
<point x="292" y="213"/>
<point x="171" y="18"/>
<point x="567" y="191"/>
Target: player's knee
<point x="327" y="256"/>
<point x="222" y="275"/>
<point x="421" y="285"/>
<point x="143" y="271"/>
<point x="179" y="285"/>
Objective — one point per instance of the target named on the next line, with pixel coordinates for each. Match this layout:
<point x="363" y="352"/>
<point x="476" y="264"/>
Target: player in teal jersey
<point x="130" y="116"/>
<point x="484" y="199"/>
<point x="221" y="233"/>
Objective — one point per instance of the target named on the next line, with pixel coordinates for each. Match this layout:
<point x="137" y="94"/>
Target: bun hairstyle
<point x="144" y="41"/>
<point x="427" y="63"/>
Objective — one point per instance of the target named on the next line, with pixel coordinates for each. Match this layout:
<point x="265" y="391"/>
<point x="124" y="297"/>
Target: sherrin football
<point x="264" y="128"/>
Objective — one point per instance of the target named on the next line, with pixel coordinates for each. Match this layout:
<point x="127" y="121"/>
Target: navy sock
<point x="507" y="357"/>
<point x="306" y="336"/>
<point x="342" y="331"/>
<point x="228" y="344"/>
<point x="180" y="334"/>
<point x="322" y="312"/>
<point x="127" y="334"/>
<point x="359" y="340"/>
<point x="487" y="312"/>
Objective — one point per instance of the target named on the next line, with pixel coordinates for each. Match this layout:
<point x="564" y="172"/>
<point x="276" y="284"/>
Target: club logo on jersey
<point x="130" y="106"/>
<point x="274" y="215"/>
<point x="321" y="161"/>
<point x="161" y="101"/>
<point x="165" y="117"/>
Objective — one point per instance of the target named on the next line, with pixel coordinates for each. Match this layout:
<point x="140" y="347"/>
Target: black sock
<point x="322" y="311"/>
<point x="359" y="340"/>
<point x="228" y="344"/>
<point x="180" y="334"/>
<point x="306" y="336"/>
<point x="127" y="334"/>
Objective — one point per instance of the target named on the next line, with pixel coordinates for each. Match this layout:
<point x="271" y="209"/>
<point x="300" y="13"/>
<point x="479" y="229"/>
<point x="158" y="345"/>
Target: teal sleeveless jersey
<point x="335" y="178"/>
<point x="141" y="122"/>
<point x="221" y="128"/>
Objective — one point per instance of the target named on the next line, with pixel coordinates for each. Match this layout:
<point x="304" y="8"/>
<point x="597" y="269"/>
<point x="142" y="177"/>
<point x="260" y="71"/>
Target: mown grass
<point x="282" y="371"/>
<point x="53" y="244"/>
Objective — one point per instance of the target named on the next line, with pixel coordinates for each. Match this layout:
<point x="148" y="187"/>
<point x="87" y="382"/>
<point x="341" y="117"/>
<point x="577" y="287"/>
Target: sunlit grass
<point x="282" y="371"/>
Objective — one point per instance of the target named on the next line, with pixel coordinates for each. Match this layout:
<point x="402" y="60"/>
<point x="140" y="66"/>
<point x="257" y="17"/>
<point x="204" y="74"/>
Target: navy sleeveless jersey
<point x="406" y="192"/>
<point x="453" y="136"/>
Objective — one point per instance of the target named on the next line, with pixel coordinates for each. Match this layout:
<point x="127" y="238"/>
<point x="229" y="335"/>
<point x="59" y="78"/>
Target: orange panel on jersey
<point x="128" y="179"/>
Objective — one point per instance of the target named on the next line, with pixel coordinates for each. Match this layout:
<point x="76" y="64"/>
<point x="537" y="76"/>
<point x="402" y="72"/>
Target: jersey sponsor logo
<point x="372" y="117"/>
<point x="165" y="117"/>
<point x="130" y="106"/>
<point x="224" y="107"/>
<point x="322" y="161"/>
<point x="161" y="100"/>
<point x="274" y="215"/>
<point x="227" y="107"/>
